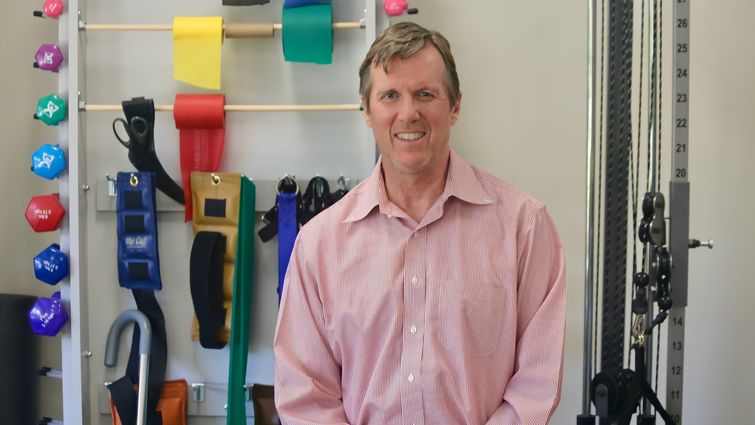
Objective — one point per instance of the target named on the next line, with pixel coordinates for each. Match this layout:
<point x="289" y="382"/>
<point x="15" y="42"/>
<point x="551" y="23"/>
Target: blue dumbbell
<point x="48" y="161"/>
<point x="51" y="265"/>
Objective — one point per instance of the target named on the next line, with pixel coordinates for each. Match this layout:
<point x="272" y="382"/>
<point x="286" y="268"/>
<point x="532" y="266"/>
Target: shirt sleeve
<point x="535" y="388"/>
<point x="307" y="376"/>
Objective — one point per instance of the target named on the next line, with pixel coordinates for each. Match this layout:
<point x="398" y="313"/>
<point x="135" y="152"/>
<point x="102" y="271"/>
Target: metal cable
<point x="635" y="174"/>
<point x="600" y="182"/>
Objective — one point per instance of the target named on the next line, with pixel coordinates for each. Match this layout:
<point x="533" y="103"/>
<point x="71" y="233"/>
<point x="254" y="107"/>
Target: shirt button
<point x="410" y="378"/>
<point x="413" y="329"/>
<point x="414" y="280"/>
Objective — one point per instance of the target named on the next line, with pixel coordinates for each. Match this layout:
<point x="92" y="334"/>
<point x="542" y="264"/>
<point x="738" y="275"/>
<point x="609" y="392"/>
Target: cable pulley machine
<point x="627" y="386"/>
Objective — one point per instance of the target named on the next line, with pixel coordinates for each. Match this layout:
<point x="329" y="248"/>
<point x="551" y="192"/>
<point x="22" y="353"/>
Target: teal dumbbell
<point x="51" y="109"/>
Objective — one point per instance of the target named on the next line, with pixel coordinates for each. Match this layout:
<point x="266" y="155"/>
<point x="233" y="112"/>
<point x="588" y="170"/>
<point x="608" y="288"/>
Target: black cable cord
<point x="660" y="90"/>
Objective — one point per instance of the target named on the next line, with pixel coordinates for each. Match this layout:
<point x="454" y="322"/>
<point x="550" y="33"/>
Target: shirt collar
<point x="461" y="182"/>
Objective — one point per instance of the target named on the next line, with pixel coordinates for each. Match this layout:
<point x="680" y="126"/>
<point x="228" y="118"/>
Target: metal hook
<point x="110" y="186"/>
<point x="287" y="178"/>
<point x="215" y="179"/>
<point x="134" y="181"/>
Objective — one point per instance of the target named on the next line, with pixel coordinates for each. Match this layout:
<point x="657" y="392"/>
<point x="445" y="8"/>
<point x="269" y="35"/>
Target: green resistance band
<point x="242" y="305"/>
<point x="308" y="34"/>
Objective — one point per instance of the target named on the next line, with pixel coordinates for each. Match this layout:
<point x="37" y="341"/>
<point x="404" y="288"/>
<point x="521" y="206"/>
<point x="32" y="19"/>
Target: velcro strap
<point x="206" y="278"/>
<point x="144" y="156"/>
<point x="138" y="260"/>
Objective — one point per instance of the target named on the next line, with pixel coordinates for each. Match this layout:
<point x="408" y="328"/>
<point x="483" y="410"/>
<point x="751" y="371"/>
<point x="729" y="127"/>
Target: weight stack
<point x="19" y="362"/>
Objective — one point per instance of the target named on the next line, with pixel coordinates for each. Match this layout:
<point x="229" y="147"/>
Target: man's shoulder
<point x="506" y="194"/>
<point x="335" y="216"/>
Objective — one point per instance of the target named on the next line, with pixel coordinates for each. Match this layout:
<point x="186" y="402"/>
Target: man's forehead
<point x="420" y="75"/>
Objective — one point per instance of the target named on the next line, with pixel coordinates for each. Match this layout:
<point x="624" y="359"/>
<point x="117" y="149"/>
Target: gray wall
<point x="523" y="71"/>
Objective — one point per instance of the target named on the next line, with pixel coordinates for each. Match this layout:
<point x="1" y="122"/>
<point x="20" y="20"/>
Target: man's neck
<point x="415" y="193"/>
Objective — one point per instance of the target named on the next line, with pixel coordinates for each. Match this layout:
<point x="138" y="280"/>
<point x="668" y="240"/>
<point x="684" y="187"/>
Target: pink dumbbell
<point x="397" y="7"/>
<point x="51" y="9"/>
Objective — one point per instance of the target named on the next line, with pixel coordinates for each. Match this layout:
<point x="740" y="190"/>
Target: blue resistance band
<point x="287" y="229"/>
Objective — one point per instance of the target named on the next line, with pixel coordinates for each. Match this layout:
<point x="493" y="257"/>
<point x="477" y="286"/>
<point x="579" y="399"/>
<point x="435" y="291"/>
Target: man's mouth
<point x="410" y="136"/>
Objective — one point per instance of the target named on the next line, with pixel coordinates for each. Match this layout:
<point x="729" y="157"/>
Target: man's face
<point x="410" y="113"/>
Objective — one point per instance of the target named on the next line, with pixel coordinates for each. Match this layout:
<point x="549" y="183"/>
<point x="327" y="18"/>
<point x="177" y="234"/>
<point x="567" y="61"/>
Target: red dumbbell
<point x="45" y="213"/>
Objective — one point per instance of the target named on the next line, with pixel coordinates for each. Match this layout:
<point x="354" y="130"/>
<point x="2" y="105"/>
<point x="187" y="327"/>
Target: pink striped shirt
<point x="457" y="319"/>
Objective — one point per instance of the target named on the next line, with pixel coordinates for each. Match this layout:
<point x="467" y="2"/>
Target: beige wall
<point x="523" y="70"/>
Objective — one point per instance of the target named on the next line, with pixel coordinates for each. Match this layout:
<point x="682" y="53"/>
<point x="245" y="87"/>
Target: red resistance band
<point x="200" y="119"/>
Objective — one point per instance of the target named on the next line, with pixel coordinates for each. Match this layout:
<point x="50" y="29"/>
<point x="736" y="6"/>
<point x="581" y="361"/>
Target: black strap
<point x="143" y="156"/>
<point x="122" y="391"/>
<point x="124" y="399"/>
<point x="315" y="199"/>
<point x="619" y="142"/>
<point x="270" y="218"/>
<point x="206" y="280"/>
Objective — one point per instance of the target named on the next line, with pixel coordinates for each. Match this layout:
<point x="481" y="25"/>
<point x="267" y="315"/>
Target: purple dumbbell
<point x="47" y="316"/>
<point x="48" y="57"/>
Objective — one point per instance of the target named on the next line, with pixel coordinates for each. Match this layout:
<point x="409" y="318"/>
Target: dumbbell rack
<point x="74" y="337"/>
<point x="76" y="198"/>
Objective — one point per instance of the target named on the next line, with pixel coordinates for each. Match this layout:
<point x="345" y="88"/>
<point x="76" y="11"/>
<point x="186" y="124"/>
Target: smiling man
<point x="433" y="292"/>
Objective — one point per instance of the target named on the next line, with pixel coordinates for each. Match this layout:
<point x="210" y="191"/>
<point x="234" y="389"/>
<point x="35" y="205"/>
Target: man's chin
<point x="411" y="166"/>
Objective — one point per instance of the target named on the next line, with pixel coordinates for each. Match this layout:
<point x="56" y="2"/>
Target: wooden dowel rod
<point x="169" y="27"/>
<point x="242" y="108"/>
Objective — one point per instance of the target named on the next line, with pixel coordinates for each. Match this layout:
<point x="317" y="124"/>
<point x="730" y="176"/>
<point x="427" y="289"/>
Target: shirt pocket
<point x="470" y="316"/>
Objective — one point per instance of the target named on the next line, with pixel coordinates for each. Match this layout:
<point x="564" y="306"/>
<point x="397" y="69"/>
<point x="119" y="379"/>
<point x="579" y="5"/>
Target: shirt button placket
<point x="415" y="304"/>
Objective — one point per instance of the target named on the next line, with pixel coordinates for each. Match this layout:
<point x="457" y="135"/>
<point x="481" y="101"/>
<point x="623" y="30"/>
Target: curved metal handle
<point x="113" y="336"/>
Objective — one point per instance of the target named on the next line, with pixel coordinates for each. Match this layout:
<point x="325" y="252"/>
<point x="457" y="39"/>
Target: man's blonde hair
<point x="404" y="40"/>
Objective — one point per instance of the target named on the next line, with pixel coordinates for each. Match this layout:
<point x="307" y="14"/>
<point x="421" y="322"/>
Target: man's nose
<point x="408" y="109"/>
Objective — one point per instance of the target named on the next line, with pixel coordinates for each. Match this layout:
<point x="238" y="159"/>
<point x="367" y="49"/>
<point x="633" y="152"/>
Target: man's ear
<point x="456" y="110"/>
<point x="366" y="112"/>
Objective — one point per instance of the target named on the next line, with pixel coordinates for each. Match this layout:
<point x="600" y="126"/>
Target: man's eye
<point x="425" y="94"/>
<point x="390" y="95"/>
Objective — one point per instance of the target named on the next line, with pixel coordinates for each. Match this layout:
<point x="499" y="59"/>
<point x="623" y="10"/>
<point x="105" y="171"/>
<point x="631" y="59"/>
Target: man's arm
<point x="307" y="376"/>
<point x="534" y="390"/>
